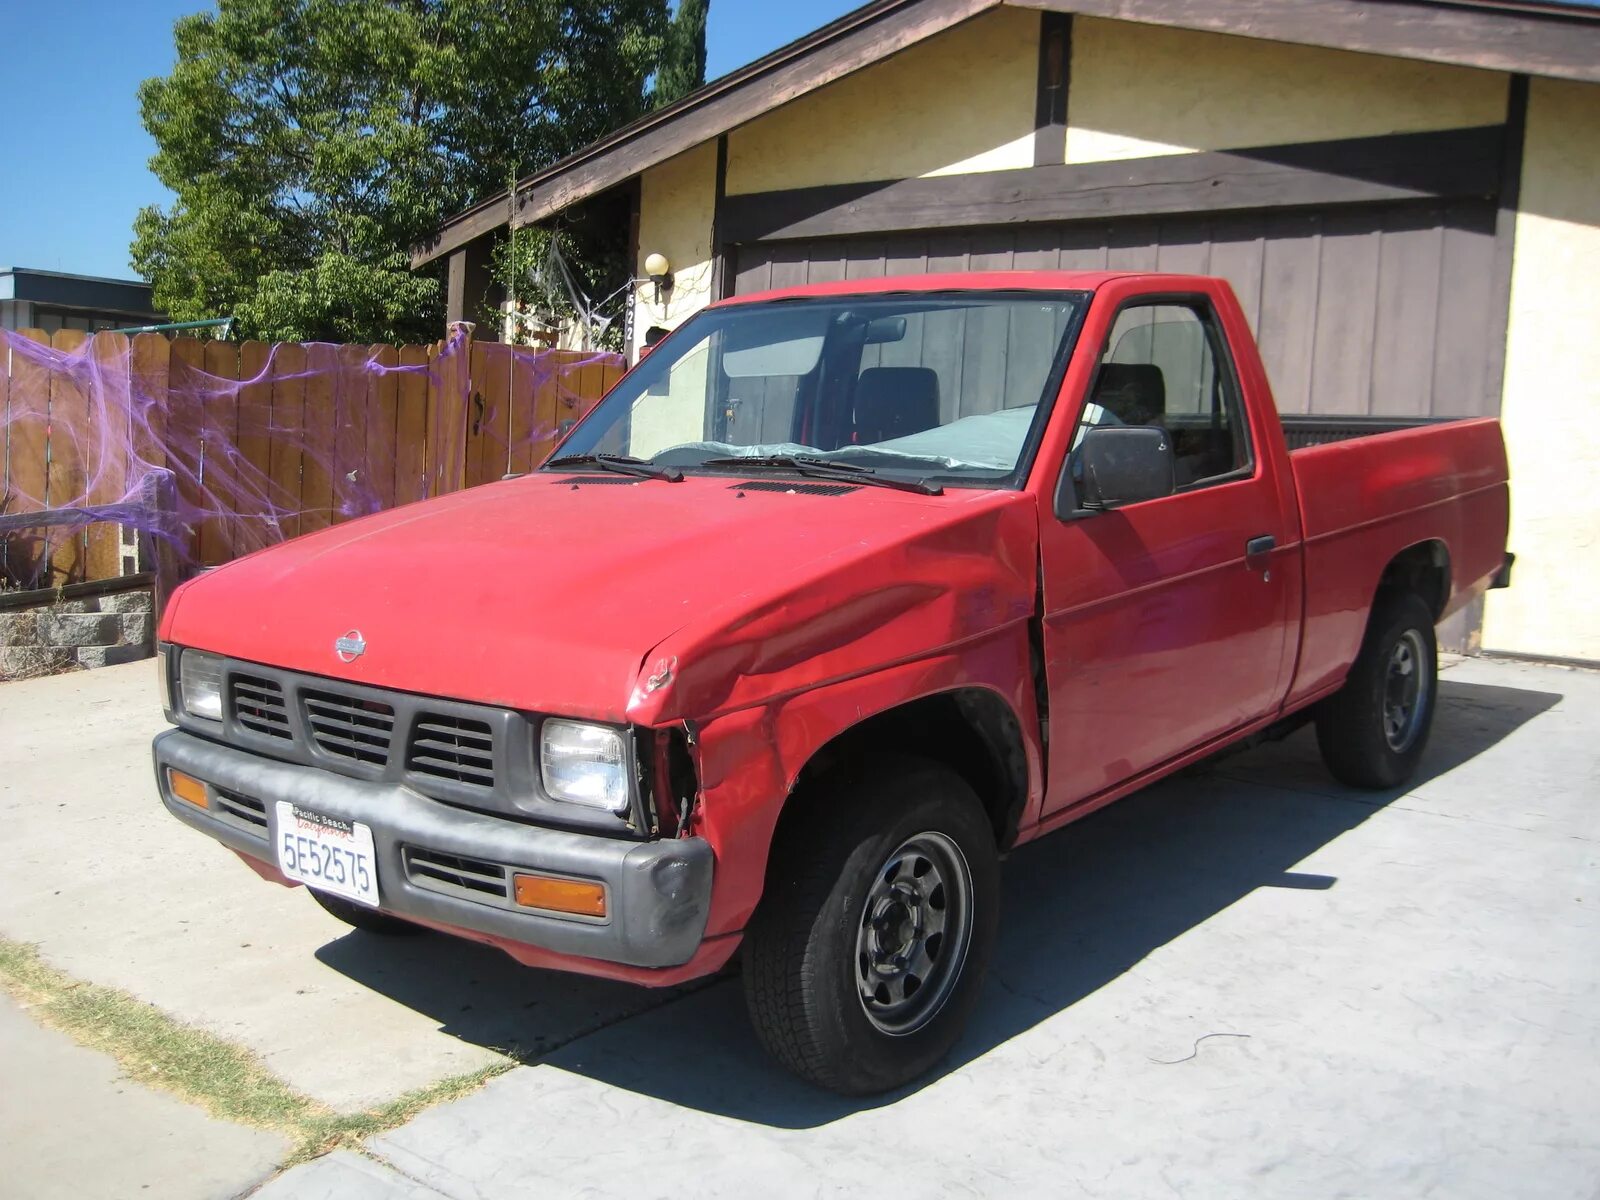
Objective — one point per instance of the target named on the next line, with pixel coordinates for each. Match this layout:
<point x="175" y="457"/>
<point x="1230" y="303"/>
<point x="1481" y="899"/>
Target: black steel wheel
<point x="1373" y="731"/>
<point x="865" y="957"/>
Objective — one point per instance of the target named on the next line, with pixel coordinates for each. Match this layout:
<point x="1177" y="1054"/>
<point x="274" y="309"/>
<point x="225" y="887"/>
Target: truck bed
<point x="1372" y="487"/>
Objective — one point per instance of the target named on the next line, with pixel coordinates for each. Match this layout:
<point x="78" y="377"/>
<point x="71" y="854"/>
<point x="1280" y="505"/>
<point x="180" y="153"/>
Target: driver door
<point x="1164" y="621"/>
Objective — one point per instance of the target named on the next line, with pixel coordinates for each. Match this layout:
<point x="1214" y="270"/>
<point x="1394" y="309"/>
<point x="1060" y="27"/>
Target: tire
<point x="893" y="871"/>
<point x="368" y="920"/>
<point x="1372" y="732"/>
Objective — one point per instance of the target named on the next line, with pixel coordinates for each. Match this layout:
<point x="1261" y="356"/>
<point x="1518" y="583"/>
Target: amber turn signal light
<point x="187" y="787"/>
<point x="560" y="895"/>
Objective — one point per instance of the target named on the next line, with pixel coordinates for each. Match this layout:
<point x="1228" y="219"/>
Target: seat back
<point x="892" y="402"/>
<point x="1134" y="393"/>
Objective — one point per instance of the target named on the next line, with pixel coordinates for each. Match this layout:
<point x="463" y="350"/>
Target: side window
<point x="1166" y="365"/>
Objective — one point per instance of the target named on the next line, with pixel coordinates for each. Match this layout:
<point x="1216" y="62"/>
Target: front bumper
<point x="657" y="893"/>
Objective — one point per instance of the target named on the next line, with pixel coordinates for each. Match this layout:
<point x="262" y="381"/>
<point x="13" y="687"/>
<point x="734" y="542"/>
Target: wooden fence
<point x="264" y="441"/>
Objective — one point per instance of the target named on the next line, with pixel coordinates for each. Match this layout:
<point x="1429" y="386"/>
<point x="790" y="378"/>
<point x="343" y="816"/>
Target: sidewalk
<point x="71" y="1126"/>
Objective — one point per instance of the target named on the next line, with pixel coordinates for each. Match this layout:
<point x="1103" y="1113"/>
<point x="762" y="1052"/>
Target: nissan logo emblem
<point x="350" y="647"/>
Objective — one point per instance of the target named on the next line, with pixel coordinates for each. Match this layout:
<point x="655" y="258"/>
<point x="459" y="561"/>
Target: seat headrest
<point x="895" y="401"/>
<point x="1135" y="393"/>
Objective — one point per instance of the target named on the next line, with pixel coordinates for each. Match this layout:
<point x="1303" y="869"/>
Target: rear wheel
<point x="1372" y="732"/>
<point x="869" y="948"/>
<point x="368" y="920"/>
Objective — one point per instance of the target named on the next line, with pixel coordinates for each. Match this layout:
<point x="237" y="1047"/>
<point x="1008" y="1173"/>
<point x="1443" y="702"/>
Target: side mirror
<point x="1116" y="465"/>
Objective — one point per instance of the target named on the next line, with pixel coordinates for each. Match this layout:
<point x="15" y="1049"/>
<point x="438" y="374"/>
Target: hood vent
<point x="802" y="489"/>
<point x="597" y="480"/>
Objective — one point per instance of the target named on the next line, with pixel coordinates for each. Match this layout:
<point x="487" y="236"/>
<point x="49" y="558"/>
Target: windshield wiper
<point x="821" y="468"/>
<point x="622" y="464"/>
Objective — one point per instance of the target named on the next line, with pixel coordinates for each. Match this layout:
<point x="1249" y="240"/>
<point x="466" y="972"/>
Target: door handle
<point x="1257" y="546"/>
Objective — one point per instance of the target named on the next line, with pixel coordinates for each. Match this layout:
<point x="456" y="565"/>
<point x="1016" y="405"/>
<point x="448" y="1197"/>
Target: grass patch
<point x="225" y="1079"/>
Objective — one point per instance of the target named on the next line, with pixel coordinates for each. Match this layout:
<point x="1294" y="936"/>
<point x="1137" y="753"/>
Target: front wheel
<point x="1372" y="732"/>
<point x="866" y="956"/>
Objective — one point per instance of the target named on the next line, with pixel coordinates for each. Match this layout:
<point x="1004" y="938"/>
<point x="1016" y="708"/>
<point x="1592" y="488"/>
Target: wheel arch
<point x="1423" y="568"/>
<point x="973" y="730"/>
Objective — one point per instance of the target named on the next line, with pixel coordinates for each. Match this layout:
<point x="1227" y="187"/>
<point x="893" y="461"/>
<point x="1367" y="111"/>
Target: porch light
<point x="660" y="271"/>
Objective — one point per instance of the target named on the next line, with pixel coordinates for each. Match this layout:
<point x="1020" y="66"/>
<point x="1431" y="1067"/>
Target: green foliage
<point x="310" y="143"/>
<point x="683" y="61"/>
<point x="525" y="264"/>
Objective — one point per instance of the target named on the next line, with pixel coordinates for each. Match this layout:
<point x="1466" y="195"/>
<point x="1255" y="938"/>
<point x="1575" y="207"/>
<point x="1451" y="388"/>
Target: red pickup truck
<point x="840" y="594"/>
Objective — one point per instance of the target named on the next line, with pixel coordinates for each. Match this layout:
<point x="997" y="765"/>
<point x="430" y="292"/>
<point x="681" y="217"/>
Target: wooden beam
<point x="1055" y="73"/>
<point x="857" y="40"/>
<point x="1505" y="236"/>
<point x="1533" y="41"/>
<point x="467" y="286"/>
<point x="1455" y="163"/>
<point x="719" y="249"/>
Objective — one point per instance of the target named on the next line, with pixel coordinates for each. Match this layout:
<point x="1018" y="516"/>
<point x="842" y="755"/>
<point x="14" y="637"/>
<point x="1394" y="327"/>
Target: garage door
<point x="1382" y="310"/>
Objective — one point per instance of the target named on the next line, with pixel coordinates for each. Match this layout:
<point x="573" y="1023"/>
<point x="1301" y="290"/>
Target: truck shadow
<point x="1081" y="907"/>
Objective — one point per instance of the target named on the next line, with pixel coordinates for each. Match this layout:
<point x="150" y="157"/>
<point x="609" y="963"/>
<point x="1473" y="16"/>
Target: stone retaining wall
<point x="73" y="634"/>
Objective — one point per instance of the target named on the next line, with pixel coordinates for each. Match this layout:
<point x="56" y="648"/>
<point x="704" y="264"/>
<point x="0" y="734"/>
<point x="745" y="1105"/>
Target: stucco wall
<point x="1551" y="401"/>
<point x="960" y="101"/>
<point x="1140" y="90"/>
<point x="676" y="203"/>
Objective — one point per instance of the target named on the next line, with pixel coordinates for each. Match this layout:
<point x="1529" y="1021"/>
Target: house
<point x="1405" y="195"/>
<point x="52" y="300"/>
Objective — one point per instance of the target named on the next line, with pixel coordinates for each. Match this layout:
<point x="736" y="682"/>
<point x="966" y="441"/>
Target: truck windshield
<point x="948" y="387"/>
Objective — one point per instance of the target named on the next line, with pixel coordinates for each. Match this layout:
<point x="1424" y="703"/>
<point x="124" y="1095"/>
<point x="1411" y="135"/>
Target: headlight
<point x="200" y="684"/>
<point x="585" y="764"/>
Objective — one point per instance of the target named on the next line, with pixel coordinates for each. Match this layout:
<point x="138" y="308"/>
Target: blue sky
<point x="72" y="151"/>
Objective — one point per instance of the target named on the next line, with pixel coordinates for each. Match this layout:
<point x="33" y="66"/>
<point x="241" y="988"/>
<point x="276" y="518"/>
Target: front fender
<point x="750" y="760"/>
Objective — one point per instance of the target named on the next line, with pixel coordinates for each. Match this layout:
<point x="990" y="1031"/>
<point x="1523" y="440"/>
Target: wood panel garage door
<point x="1384" y="310"/>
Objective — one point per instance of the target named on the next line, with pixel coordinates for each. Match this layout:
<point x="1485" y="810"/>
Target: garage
<point x="1362" y="310"/>
<point x="1402" y="196"/>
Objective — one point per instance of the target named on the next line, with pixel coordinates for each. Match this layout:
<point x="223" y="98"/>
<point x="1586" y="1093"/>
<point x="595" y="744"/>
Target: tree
<point x="310" y="143"/>
<point x="683" y="61"/>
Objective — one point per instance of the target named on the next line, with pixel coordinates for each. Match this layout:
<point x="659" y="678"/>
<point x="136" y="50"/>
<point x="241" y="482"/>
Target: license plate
<point x="327" y="853"/>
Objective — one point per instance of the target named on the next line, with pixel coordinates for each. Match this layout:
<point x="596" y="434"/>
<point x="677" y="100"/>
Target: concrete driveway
<point x="1246" y="981"/>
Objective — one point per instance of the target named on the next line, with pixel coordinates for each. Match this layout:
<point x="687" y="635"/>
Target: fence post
<point x="158" y="495"/>
<point x="452" y="415"/>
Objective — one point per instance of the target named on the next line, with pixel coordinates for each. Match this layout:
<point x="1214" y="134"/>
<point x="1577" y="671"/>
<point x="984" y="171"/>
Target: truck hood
<point x="601" y="597"/>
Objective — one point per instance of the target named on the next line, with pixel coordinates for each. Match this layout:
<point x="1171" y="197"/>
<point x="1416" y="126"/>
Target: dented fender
<point x="763" y="687"/>
<point x="750" y="761"/>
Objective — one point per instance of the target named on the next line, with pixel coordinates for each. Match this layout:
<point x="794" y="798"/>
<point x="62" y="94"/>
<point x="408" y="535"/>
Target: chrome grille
<point x="453" y="875"/>
<point x="350" y="727"/>
<point x="259" y="706"/>
<point x="455" y="748"/>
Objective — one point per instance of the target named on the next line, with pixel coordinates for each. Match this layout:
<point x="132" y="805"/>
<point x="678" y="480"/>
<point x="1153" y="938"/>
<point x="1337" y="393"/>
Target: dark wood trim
<point x="455" y="286"/>
<point x="632" y="336"/>
<point x="1505" y="234"/>
<point x="719" y="249"/>
<point x="467" y="284"/>
<point x="856" y="40"/>
<point x="1450" y="164"/>
<point x="1055" y="74"/>
<point x="1521" y="38"/>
